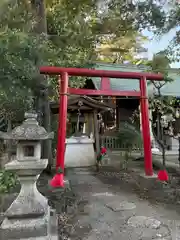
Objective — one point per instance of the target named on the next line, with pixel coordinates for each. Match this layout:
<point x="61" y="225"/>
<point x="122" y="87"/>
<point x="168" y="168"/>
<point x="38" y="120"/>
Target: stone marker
<point x="29" y="216"/>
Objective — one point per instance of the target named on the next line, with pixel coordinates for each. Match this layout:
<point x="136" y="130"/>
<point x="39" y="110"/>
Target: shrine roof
<point x="87" y="104"/>
<point x="169" y="89"/>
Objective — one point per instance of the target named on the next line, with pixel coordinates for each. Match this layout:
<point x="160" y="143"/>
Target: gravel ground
<point x="77" y="219"/>
<point x="116" y="209"/>
<point x="163" y="193"/>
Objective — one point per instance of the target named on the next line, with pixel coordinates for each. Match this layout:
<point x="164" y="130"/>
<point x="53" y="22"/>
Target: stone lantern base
<point x="29" y="216"/>
<point x="24" y="229"/>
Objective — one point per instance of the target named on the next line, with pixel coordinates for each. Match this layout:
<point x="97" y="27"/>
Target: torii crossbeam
<point x="64" y="74"/>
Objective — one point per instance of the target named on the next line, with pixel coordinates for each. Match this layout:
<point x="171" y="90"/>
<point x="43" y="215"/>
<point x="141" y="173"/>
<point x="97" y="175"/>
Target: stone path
<point x="116" y="214"/>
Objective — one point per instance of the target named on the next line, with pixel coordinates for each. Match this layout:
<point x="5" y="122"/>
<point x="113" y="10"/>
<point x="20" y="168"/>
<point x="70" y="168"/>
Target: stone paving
<point x="117" y="214"/>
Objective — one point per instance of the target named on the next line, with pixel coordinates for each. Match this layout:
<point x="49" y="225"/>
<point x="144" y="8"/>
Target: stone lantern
<point x="29" y="216"/>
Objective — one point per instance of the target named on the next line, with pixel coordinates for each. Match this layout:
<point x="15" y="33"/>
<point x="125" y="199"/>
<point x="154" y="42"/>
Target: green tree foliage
<point x="75" y="29"/>
<point x="117" y="49"/>
<point x="170" y="18"/>
<point x="103" y="30"/>
<point x="19" y="50"/>
<point x="161" y="104"/>
<point x="121" y="24"/>
<point x="70" y="28"/>
<point x="160" y="63"/>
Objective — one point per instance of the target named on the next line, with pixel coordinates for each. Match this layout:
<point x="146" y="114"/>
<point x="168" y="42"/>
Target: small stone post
<point x="29" y="216"/>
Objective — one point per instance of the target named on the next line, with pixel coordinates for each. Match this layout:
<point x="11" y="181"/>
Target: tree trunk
<point x="96" y="132"/>
<point x="179" y="149"/>
<point x="164" y="155"/>
<point x="158" y="126"/>
<point x="9" y="145"/>
<point x="47" y="148"/>
<point x="38" y="6"/>
<point x="159" y="135"/>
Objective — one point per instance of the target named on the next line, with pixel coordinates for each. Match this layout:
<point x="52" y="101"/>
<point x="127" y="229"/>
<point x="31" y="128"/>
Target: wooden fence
<point x="112" y="143"/>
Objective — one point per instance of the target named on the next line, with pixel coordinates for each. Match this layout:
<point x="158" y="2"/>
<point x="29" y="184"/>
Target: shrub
<point x="8" y="180"/>
<point x="129" y="137"/>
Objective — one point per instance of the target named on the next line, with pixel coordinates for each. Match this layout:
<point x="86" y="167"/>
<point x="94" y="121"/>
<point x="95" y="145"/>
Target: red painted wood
<point x="77" y="91"/>
<point x="99" y="73"/>
<point x="146" y="128"/>
<point x="64" y="91"/>
<point x="105" y="83"/>
<point x="62" y="121"/>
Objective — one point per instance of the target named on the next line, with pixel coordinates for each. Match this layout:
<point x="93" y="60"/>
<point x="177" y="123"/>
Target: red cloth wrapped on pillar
<point x="103" y="151"/>
<point x="163" y="176"/>
<point x="58" y="179"/>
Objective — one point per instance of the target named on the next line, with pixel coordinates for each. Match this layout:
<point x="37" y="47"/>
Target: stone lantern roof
<point x="29" y="130"/>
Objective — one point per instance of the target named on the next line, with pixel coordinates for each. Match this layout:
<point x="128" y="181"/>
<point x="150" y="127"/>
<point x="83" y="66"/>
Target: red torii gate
<point x="64" y="74"/>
